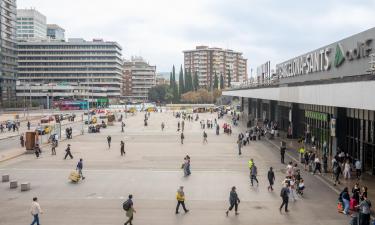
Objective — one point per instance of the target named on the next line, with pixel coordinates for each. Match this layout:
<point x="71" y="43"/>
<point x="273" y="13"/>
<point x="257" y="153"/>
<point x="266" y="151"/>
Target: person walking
<point x="317" y="165"/>
<point x="22" y="141"/>
<point x="28" y="125"/>
<point x="205" y="137"/>
<point x="122" y="148"/>
<point x="129" y="208"/>
<point x="122" y="126"/>
<point x="183" y="125"/>
<point x="336" y="172"/>
<point x="282" y="151"/>
<point x="178" y="126"/>
<point x="109" y="139"/>
<point x="162" y="126"/>
<point x="364" y="211"/>
<point x="180" y="196"/>
<point x="358" y="168"/>
<point x="182" y="138"/>
<point x="271" y="178"/>
<point x="186" y="166"/>
<point x="239" y="143"/>
<point x="284" y="194"/>
<point x="35" y="210"/>
<point x="345" y="198"/>
<point x="347" y="170"/>
<point x="80" y="167"/>
<point x="233" y="201"/>
<point x="37" y="150"/>
<point x="68" y="153"/>
<point x="53" y="147"/>
<point x="253" y="175"/>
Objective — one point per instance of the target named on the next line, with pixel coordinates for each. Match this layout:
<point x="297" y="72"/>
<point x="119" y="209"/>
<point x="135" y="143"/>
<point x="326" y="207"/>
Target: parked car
<point x="47" y="119"/>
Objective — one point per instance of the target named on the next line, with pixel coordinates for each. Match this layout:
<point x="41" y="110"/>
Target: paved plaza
<point x="151" y="172"/>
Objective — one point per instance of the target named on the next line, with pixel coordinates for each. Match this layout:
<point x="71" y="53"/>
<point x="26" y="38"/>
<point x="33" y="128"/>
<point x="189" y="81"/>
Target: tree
<point x="216" y="81"/>
<point x="196" y="81"/>
<point x="169" y="95"/>
<point x="173" y="86"/>
<point x="181" y="87"/>
<point x="188" y="82"/>
<point x="229" y="79"/>
<point x="221" y="82"/>
<point x="157" y="93"/>
<point x="170" y="80"/>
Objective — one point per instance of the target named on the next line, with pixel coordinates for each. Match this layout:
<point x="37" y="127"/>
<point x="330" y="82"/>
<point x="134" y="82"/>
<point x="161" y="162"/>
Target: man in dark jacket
<point x="122" y="150"/>
<point x="109" y="139"/>
<point x="68" y="153"/>
<point x="271" y="178"/>
<point x="80" y="167"/>
<point x="284" y="194"/>
<point x="282" y="153"/>
<point x="233" y="201"/>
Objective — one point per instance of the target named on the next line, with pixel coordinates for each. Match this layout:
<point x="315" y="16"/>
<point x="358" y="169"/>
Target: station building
<point x="328" y="93"/>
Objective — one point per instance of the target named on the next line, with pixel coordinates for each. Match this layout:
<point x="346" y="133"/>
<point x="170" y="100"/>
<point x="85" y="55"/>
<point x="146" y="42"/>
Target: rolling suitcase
<point x="74" y="176"/>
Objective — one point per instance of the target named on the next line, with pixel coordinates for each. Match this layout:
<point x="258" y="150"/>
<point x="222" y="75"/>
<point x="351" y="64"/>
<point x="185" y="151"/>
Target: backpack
<point x="126" y="205"/>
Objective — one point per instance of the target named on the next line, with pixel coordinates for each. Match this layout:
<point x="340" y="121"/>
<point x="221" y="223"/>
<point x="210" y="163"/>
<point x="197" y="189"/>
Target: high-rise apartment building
<point x="205" y="62"/>
<point x="142" y="77"/>
<point x="8" y="52"/>
<point x="76" y="69"/>
<point x="31" y="25"/>
<point x="55" y="32"/>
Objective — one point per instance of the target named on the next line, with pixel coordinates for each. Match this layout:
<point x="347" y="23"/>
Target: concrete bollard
<point x="13" y="184"/>
<point x="5" y="178"/>
<point x="25" y="186"/>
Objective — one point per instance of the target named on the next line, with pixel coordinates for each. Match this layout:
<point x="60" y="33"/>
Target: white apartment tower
<point x="31" y="25"/>
<point x="205" y="62"/>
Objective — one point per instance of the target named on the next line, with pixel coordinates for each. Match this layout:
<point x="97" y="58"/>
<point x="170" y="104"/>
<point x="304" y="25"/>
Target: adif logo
<point x="363" y="49"/>
<point x="339" y="56"/>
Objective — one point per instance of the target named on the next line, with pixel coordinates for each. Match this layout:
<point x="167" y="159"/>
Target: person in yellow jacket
<point x="301" y="153"/>
<point x="251" y="163"/>
<point x="180" y="196"/>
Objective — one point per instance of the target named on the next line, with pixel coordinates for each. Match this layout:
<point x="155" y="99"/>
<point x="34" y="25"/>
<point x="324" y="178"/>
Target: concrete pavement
<point x="151" y="172"/>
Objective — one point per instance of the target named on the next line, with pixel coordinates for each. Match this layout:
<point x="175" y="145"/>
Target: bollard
<point x="25" y="186"/>
<point x="13" y="184"/>
<point x="5" y="178"/>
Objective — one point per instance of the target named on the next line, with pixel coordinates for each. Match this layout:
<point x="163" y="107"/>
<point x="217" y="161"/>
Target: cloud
<point x="160" y="30"/>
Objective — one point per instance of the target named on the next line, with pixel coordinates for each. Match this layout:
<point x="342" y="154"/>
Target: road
<point x="151" y="172"/>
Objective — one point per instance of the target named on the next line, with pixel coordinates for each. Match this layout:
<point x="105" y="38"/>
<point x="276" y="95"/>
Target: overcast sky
<point x="159" y="30"/>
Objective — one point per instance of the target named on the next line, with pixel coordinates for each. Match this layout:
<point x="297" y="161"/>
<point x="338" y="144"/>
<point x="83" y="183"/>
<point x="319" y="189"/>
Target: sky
<point x="159" y="30"/>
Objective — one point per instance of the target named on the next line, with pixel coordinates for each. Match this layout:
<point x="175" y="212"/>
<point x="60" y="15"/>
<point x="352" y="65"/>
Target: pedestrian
<point x="180" y="196"/>
<point x="53" y="147"/>
<point x="336" y="172"/>
<point x="253" y="175"/>
<point x="37" y="150"/>
<point x="68" y="153"/>
<point x="271" y="178"/>
<point x="282" y="151"/>
<point x="122" y="126"/>
<point x="186" y="166"/>
<point x="306" y="161"/>
<point x="182" y="138"/>
<point x="129" y="208"/>
<point x="109" y="139"/>
<point x="364" y="211"/>
<point x="122" y="148"/>
<point x="80" y="167"/>
<point x="28" y="125"/>
<point x="162" y="126"/>
<point x="22" y="141"/>
<point x="347" y="170"/>
<point x="35" y="210"/>
<point x="178" y="126"/>
<point x="317" y="166"/>
<point x="284" y="194"/>
<point x="239" y="143"/>
<point x="205" y="137"/>
<point x="345" y="198"/>
<point x="233" y="201"/>
<point x="183" y="125"/>
<point x="358" y="168"/>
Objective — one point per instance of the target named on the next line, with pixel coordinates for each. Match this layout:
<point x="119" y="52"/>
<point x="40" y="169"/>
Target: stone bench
<point x="25" y="186"/>
<point x="13" y="184"/>
<point x="5" y="178"/>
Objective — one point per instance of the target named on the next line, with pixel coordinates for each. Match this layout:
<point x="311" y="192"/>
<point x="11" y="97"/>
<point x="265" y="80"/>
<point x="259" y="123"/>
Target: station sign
<point x="333" y="60"/>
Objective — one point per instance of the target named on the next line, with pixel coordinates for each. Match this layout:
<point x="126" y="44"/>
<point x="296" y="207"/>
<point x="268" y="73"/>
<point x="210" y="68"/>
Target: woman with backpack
<point x="345" y="198"/>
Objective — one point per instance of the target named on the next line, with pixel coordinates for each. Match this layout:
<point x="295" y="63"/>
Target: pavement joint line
<point x="319" y="178"/>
